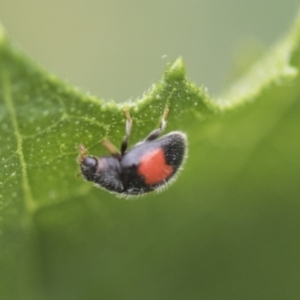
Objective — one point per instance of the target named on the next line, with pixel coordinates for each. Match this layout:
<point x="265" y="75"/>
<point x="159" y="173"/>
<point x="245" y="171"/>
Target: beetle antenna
<point x="82" y="153"/>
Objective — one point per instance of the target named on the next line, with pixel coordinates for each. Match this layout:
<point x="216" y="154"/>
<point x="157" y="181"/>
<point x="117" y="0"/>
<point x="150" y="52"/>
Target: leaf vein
<point x="29" y="203"/>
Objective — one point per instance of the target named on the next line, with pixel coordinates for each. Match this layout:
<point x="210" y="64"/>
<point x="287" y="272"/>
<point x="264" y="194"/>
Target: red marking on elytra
<point x="153" y="167"/>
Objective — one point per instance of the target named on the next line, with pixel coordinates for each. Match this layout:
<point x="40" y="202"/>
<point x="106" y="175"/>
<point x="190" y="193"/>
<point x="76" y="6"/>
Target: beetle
<point x="150" y="165"/>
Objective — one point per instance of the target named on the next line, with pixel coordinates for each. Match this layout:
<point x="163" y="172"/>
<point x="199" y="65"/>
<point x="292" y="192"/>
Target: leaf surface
<point x="227" y="227"/>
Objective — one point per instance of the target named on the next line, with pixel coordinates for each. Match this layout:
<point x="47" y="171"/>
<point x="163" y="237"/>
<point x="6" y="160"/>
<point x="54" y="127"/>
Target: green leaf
<point x="227" y="229"/>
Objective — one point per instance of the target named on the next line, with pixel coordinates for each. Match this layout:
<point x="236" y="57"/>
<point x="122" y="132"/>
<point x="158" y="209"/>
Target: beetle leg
<point x="111" y="148"/>
<point x="155" y="133"/>
<point x="128" y="127"/>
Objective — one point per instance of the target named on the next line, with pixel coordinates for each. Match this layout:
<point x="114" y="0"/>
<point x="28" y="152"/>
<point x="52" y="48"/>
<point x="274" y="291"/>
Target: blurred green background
<point x="229" y="228"/>
<point x="117" y="49"/>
